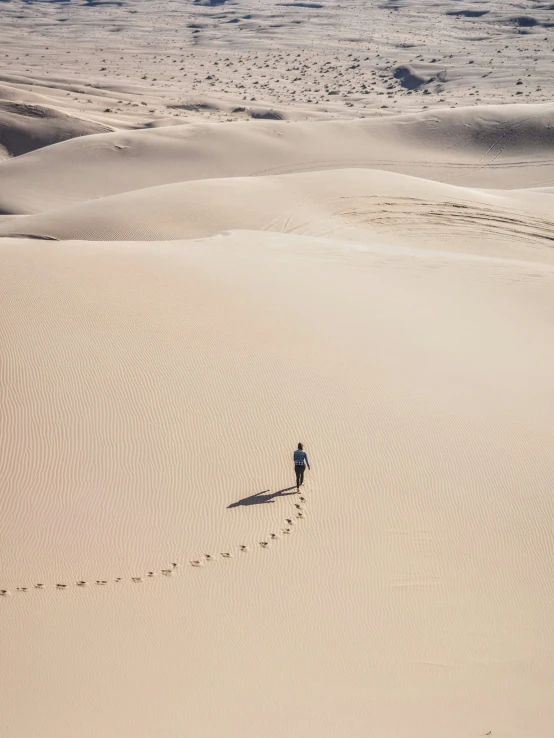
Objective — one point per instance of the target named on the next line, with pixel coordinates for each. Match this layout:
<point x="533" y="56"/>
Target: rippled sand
<point x="184" y="298"/>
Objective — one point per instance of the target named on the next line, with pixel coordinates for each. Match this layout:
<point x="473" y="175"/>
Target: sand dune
<point x="357" y="205"/>
<point x="25" y="127"/>
<point x="229" y="226"/>
<point x="474" y="146"/>
<point x="142" y="380"/>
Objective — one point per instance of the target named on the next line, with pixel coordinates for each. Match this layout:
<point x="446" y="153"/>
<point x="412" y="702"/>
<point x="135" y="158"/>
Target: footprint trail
<point x="167" y="572"/>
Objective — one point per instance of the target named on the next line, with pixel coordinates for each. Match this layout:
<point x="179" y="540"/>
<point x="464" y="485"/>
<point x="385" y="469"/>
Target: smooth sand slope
<point x="355" y="205"/>
<point x="218" y="237"/>
<point x="148" y="386"/>
<point x="496" y="146"/>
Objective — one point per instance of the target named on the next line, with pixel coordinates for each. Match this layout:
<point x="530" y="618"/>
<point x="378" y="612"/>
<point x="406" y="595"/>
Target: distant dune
<point x="492" y="147"/>
<point x="25" y="127"/>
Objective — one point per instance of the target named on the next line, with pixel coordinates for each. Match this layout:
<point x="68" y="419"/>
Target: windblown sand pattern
<point x="226" y="227"/>
<point x="297" y="513"/>
<point x="422" y="381"/>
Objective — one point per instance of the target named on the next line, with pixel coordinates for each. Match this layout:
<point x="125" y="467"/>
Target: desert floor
<point x="226" y="227"/>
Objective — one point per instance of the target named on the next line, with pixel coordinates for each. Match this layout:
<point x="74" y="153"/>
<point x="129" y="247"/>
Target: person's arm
<point x="307" y="462"/>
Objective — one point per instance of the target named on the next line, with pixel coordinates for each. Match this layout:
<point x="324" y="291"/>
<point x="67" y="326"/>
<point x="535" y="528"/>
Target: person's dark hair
<point x="300" y="447"/>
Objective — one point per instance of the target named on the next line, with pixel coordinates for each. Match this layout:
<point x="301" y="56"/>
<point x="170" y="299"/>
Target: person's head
<point x="300" y="447"/>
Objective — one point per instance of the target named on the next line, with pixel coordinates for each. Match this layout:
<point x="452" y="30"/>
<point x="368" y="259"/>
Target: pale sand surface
<point x="153" y="384"/>
<point x="183" y="299"/>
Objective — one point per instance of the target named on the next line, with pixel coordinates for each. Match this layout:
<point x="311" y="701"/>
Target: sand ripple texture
<point x="148" y="386"/>
<point x="190" y="286"/>
<point x="297" y="514"/>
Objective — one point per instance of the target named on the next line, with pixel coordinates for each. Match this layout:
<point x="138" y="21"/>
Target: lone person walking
<point x="300" y="464"/>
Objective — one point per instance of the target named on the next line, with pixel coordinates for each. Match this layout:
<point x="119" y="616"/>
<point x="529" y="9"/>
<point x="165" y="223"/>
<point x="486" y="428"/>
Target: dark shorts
<point x="299" y="470"/>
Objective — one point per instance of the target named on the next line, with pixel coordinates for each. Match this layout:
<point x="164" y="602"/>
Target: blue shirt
<point x="300" y="458"/>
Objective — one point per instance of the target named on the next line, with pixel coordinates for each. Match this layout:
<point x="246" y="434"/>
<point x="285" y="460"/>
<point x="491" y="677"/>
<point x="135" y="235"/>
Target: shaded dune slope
<point x="25" y="127"/>
<point x="472" y="146"/>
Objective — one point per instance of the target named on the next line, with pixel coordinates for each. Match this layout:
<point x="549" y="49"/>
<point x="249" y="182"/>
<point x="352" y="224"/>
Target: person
<point x="300" y="464"/>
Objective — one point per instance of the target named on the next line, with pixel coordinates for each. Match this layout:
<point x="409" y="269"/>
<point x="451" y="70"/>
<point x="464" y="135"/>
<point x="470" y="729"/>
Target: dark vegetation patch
<point x="267" y="115"/>
<point x="468" y="13"/>
<point x="408" y="78"/>
<point x="300" y="5"/>
<point x="210" y="3"/>
<point x="525" y="21"/>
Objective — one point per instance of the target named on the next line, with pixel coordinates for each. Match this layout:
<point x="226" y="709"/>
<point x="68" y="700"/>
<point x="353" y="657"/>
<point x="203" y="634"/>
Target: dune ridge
<point x="357" y="205"/>
<point x="474" y="146"/>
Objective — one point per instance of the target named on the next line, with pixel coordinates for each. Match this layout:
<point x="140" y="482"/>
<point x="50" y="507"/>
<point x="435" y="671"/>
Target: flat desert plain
<point x="230" y="226"/>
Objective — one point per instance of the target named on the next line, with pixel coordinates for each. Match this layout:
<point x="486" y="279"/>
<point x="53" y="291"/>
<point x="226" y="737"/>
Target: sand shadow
<point x="265" y="496"/>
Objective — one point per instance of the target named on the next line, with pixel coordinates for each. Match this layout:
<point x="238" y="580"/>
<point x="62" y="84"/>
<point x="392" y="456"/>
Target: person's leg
<point x="297" y="471"/>
<point x="302" y="475"/>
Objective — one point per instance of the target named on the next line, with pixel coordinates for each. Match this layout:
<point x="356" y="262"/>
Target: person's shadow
<point x="261" y="497"/>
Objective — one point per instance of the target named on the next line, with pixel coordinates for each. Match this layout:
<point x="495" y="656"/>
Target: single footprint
<point x="298" y="507"/>
<point x="4" y="593"/>
<point x="136" y="580"/>
<point x="61" y="586"/>
<point x="286" y="531"/>
<point x="196" y="562"/>
<point x="39" y="586"/>
<point x="302" y="499"/>
<point x="174" y="564"/>
<point x="289" y="521"/>
<point x="244" y="549"/>
<point x="226" y="555"/>
<point x="264" y="544"/>
<point x="273" y="536"/>
<point x="166" y="572"/>
<point x="118" y="579"/>
<point x="299" y="515"/>
<point x="151" y="574"/>
<point x="22" y="589"/>
<point x="209" y="557"/>
<point x="81" y="583"/>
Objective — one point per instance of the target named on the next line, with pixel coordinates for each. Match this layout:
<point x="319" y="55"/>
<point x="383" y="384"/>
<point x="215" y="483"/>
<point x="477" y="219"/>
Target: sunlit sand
<point x="208" y="256"/>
